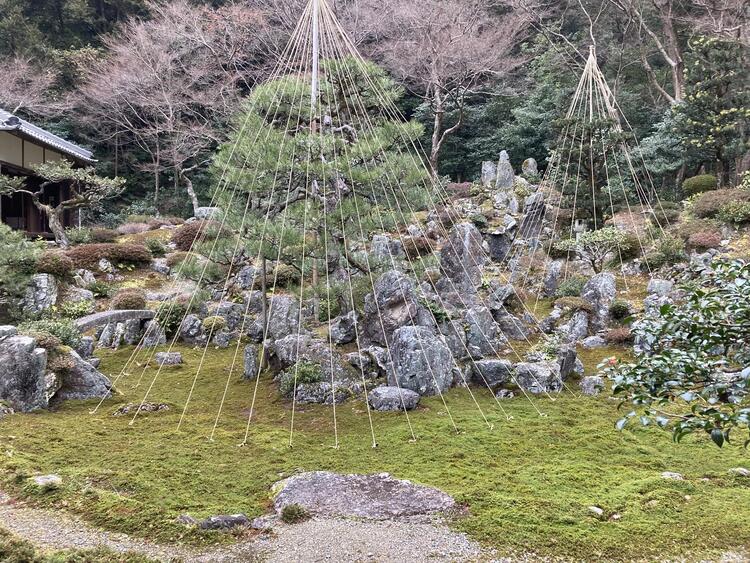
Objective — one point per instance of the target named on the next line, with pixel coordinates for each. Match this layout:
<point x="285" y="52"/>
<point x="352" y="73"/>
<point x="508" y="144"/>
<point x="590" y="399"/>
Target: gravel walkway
<point x="359" y="541"/>
<point x="311" y="541"/>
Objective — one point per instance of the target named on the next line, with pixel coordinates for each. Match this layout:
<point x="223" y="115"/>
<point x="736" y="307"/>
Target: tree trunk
<point x="190" y="192"/>
<point x="437" y="131"/>
<point x="264" y="312"/>
<point x="55" y="220"/>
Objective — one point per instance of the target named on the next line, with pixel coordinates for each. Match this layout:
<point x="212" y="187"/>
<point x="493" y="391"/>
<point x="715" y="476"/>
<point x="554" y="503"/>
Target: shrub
<point x="74" y="309"/>
<point x="665" y="217"/>
<point x="710" y="203"/>
<point x="64" y="330"/>
<point x="133" y="228"/>
<point x="619" y="309"/>
<point x="176" y="258"/>
<point x="89" y="255"/>
<point x="128" y="300"/>
<point x="573" y="304"/>
<point x="103" y="235"/>
<point x="56" y="263"/>
<point x="44" y="339"/>
<point x="630" y="248"/>
<point x="303" y="373"/>
<point x="170" y="317"/>
<point x="619" y="336"/>
<point x="571" y="287"/>
<point x="214" y="324"/>
<point x="595" y="246"/>
<point x="294" y="513"/>
<point x="704" y="240"/>
<point x="196" y="232"/>
<point x="735" y="212"/>
<point x="156" y="247"/>
<point x="100" y="289"/>
<point x="417" y="246"/>
<point x="18" y="258"/>
<point x="78" y="236"/>
<point x="669" y="250"/>
<point x="480" y="221"/>
<point x="285" y="275"/>
<point x="700" y="184"/>
<point x="689" y="228"/>
<point x="60" y="360"/>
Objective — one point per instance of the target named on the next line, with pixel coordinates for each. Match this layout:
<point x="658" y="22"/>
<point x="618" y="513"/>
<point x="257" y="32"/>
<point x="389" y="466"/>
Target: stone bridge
<point x="106" y="317"/>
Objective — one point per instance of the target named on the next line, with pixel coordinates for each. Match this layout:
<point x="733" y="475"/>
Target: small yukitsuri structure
<point x="23" y="145"/>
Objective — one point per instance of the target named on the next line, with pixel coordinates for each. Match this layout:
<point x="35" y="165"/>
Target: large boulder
<point x="344" y="328"/>
<point x="283" y="316"/>
<point x="506" y="176"/>
<point x="539" y="377"/>
<point x="24" y="385"/>
<point x="534" y="212"/>
<point x="250" y="362"/>
<point x="463" y="257"/>
<point x="82" y="381"/>
<point x="191" y="330"/>
<point x="482" y="332"/>
<point x="492" y="372"/>
<point x="599" y="292"/>
<point x="454" y="334"/>
<point x="41" y="295"/>
<point x="392" y="305"/>
<point x="489" y="173"/>
<point x="421" y="362"/>
<point x="393" y="399"/>
<point x="530" y="167"/>
<point x="384" y="248"/>
<point x="374" y="497"/>
<point x="153" y="335"/>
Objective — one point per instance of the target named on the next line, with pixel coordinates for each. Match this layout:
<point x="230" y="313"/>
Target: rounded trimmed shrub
<point x="88" y="255"/>
<point x="156" y="247"/>
<point x="700" y="184"/>
<point x="704" y="240"/>
<point x="56" y="263"/>
<point x="133" y="228"/>
<point x="196" y="232"/>
<point x="128" y="300"/>
<point x="573" y="304"/>
<point x="176" y="258"/>
<point x="214" y="324"/>
<point x="572" y="287"/>
<point x="710" y="204"/>
<point x="619" y="336"/>
<point x="285" y="275"/>
<point x="103" y="236"/>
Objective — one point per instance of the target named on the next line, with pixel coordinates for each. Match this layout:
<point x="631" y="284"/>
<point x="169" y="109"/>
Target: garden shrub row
<point x="89" y="255"/>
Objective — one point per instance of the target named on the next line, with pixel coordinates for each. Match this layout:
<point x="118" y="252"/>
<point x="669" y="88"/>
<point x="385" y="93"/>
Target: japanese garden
<point x="346" y="280"/>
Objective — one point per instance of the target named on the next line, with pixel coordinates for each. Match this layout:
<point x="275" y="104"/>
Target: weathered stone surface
<point x="248" y="277"/>
<point x="421" y="361"/>
<point x="191" y="330"/>
<point x="374" y="497"/>
<point x="223" y="338"/>
<point x="153" y="335"/>
<point x="513" y="327"/>
<point x="108" y="317"/>
<point x="41" y="294"/>
<point x="23" y="385"/>
<point x="132" y="408"/>
<point x="599" y="292"/>
<point x="106" y="267"/>
<point x="492" y="372"/>
<point x="7" y="330"/>
<point x="500" y="242"/>
<point x="482" y="332"/>
<point x="82" y="382"/>
<point x="133" y="331"/>
<point x="489" y="173"/>
<point x="159" y="265"/>
<point x="392" y="305"/>
<point x="384" y="248"/>
<point x="455" y="338"/>
<point x="534" y="211"/>
<point x="168" y="358"/>
<point x="539" y="377"/>
<point x="577" y="327"/>
<point x="506" y="176"/>
<point x="111" y="336"/>
<point x="250" y="363"/>
<point x="567" y="357"/>
<point x="393" y="399"/>
<point x="344" y="328"/>
<point x="224" y="522"/>
<point x="86" y="348"/>
<point x="593" y="342"/>
<point x="206" y="213"/>
<point x="285" y="352"/>
<point x="504" y="394"/>
<point x="662" y="288"/>
<point x="462" y="257"/>
<point x="592" y="385"/>
<point x="47" y="482"/>
<point x="84" y="278"/>
<point x="552" y="278"/>
<point x="530" y="167"/>
<point x="283" y="318"/>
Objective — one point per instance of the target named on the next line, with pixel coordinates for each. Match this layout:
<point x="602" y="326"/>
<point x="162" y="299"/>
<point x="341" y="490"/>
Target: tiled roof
<point x="9" y="122"/>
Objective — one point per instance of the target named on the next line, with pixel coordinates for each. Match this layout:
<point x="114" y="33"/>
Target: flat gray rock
<point x="374" y="497"/>
<point x="393" y="399"/>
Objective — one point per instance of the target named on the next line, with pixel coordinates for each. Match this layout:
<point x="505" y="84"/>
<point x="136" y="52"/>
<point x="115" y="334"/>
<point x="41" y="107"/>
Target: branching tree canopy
<point x="692" y="367"/>
<point x="344" y="162"/>
<point x="86" y="188"/>
<point x="25" y="88"/>
<point x="443" y="50"/>
<point x="596" y="246"/>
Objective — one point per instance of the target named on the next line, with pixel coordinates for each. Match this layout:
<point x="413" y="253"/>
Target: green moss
<point x="14" y="550"/>
<point x="527" y="483"/>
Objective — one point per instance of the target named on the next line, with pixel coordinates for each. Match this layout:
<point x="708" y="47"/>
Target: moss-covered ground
<point x="527" y="483"/>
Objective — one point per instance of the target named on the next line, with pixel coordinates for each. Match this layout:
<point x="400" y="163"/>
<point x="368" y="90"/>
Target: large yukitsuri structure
<point x="23" y="145"/>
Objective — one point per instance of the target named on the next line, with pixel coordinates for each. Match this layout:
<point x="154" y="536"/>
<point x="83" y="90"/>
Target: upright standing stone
<point x="506" y="177"/>
<point x="489" y="173"/>
<point x="529" y="167"/>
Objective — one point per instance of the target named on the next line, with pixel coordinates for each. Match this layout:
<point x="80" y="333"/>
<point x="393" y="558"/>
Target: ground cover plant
<point x="533" y="478"/>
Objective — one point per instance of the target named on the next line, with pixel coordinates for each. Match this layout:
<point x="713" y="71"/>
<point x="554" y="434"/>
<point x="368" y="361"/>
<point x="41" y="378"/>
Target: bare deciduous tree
<point x="26" y="88"/>
<point x="170" y="83"/>
<point x="443" y="50"/>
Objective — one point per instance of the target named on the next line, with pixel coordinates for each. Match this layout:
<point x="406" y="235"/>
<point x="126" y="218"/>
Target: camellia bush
<point x="692" y="367"/>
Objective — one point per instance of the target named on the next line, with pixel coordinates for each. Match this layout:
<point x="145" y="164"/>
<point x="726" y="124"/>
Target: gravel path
<point x="311" y="541"/>
<point x="359" y="541"/>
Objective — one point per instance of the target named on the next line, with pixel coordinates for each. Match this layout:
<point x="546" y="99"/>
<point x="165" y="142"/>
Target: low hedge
<point x="185" y="236"/>
<point x="56" y="263"/>
<point x="710" y="204"/>
<point x="128" y="300"/>
<point x="89" y="255"/>
<point x="700" y="184"/>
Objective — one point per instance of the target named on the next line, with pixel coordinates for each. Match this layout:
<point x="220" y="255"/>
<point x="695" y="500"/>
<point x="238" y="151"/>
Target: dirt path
<point x="312" y="541"/>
